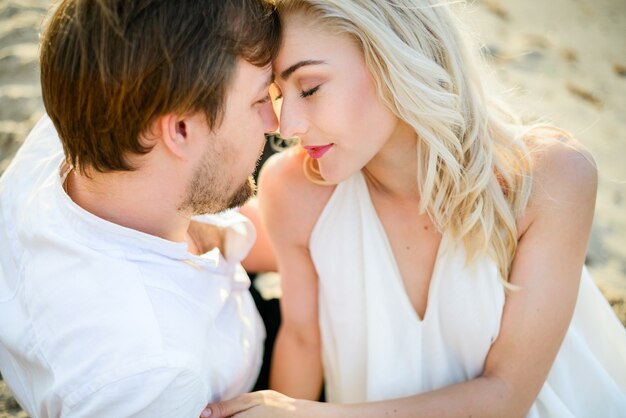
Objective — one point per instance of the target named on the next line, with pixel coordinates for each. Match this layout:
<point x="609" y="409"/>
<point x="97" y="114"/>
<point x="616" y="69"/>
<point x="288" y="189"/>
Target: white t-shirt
<point x="98" y="320"/>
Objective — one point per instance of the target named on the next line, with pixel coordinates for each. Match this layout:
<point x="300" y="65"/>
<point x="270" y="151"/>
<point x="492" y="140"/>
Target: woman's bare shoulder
<point x="289" y="200"/>
<point x="564" y="175"/>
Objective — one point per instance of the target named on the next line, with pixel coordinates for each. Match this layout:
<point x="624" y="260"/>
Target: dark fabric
<point x="270" y="313"/>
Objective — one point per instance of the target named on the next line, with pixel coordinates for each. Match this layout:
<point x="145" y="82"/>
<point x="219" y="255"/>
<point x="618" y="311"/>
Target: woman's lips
<point x="317" y="151"/>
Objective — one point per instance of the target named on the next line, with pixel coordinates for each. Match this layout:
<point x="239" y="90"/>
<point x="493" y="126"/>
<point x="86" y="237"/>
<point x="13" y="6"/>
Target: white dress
<point x="375" y="346"/>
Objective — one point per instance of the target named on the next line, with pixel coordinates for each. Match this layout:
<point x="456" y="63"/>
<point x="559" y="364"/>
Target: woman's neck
<point x="393" y="170"/>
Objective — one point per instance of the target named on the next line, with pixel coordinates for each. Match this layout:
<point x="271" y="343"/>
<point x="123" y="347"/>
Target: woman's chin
<point x="333" y="175"/>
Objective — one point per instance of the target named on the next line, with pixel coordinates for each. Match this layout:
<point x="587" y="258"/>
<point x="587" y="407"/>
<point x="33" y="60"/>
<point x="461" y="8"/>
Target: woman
<point x="431" y="247"/>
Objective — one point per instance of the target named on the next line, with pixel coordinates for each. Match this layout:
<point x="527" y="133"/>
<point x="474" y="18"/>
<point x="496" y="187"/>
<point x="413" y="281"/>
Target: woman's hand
<point x="203" y="237"/>
<point x="263" y="404"/>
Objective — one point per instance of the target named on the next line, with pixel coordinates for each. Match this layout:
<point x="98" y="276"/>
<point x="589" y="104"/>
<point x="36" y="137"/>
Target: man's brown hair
<point x="110" y="67"/>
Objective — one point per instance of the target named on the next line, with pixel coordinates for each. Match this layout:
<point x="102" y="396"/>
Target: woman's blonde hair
<point x="474" y="169"/>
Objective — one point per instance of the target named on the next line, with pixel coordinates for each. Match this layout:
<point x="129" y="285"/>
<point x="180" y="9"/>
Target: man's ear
<point x="173" y="132"/>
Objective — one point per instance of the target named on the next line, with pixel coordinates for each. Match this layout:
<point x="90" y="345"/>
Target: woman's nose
<point x="292" y="121"/>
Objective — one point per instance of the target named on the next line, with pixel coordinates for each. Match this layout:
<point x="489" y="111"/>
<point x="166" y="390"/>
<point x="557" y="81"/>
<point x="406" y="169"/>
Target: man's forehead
<point x="250" y="77"/>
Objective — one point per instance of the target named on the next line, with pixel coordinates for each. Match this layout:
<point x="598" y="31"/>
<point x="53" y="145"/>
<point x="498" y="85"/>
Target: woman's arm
<point x="261" y="257"/>
<point x="289" y="207"/>
<point x="547" y="267"/>
<point x="296" y="362"/>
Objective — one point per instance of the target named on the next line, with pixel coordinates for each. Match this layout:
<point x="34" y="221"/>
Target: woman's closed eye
<point x="307" y="93"/>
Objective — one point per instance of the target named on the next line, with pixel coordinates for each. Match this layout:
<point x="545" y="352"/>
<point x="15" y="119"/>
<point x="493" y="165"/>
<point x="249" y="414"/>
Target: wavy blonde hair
<point x="474" y="169"/>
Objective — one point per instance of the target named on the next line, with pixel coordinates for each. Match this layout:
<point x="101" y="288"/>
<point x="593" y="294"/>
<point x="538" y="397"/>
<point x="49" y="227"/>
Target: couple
<point x="431" y="249"/>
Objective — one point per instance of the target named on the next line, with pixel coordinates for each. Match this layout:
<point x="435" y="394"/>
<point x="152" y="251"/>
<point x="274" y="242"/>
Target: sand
<point x="565" y="61"/>
<point x="560" y="60"/>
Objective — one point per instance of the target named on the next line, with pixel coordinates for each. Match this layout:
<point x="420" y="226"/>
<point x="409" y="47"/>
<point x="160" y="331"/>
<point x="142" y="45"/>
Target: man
<point x="107" y="306"/>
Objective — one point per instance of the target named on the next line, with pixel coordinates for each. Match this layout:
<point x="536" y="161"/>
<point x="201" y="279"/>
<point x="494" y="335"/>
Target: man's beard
<point x="209" y="190"/>
<point x="243" y="194"/>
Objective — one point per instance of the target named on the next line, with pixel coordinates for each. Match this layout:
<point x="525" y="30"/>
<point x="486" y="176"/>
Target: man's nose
<point x="270" y="120"/>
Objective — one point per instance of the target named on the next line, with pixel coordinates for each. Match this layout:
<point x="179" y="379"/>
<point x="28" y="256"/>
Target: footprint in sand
<point x="495" y="7"/>
<point x="584" y="94"/>
<point x="619" y="69"/>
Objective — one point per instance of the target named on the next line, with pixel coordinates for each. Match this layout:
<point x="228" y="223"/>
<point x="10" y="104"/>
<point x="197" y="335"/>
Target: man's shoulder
<point x="96" y="289"/>
<point x="27" y="186"/>
<point x="41" y="152"/>
<point x="103" y="296"/>
<point x="86" y="296"/>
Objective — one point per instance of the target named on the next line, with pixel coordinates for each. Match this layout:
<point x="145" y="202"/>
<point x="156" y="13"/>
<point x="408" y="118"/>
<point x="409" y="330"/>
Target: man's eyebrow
<point x="287" y="73"/>
<point x="267" y="83"/>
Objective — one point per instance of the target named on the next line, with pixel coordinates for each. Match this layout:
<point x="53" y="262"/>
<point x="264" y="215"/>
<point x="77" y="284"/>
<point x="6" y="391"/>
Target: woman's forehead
<point x="307" y="43"/>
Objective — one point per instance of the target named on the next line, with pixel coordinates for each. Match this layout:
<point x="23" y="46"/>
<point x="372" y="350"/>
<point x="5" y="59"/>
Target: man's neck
<point x="134" y="199"/>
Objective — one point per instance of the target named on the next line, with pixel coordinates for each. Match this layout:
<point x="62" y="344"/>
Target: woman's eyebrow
<point x="287" y="73"/>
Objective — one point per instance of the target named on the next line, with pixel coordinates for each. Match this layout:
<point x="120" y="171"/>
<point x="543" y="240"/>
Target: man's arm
<point x="160" y="392"/>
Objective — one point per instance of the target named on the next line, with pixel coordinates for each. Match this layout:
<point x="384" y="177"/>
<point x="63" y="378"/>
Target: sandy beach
<point x="563" y="61"/>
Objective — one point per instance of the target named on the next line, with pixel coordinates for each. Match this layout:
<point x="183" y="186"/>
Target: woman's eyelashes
<point x="303" y="94"/>
<point x="307" y="93"/>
